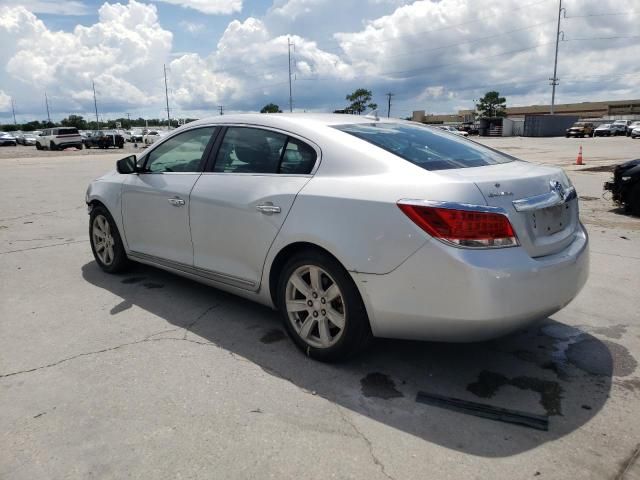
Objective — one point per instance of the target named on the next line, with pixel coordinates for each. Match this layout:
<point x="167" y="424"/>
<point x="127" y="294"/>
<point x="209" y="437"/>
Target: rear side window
<point x="250" y="150"/>
<point x="431" y="149"/>
<point x="298" y="158"/>
<point x="253" y="150"/>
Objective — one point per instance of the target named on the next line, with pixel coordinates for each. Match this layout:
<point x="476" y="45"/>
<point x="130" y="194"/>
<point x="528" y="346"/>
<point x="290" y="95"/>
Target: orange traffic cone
<point x="579" y="159"/>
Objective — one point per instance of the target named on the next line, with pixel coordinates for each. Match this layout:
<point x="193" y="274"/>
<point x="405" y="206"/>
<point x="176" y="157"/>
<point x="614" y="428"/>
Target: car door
<point x="155" y="202"/>
<point x="239" y="204"/>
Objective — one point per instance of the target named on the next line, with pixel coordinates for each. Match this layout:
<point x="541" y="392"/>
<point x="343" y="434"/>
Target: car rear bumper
<point x="443" y="293"/>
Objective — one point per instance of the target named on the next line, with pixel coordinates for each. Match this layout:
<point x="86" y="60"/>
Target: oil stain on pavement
<point x="379" y="385"/>
<point x="550" y="392"/>
<point x="273" y="335"/>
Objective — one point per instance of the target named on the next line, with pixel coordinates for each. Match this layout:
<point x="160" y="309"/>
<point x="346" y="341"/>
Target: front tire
<point x="321" y="307"/>
<point x="106" y="243"/>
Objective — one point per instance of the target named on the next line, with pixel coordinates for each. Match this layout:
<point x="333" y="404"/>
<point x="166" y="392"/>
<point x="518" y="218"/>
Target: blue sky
<point x="434" y="55"/>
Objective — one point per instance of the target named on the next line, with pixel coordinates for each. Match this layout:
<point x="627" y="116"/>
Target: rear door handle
<point x="176" y="201"/>
<point x="268" y="208"/>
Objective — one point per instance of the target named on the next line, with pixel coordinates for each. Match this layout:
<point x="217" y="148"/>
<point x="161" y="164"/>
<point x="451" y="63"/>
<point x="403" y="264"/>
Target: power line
<point x="389" y="95"/>
<point x="290" y="90"/>
<point x="13" y="110"/>
<point x="95" y="103"/>
<point x="166" y="93"/>
<point x="554" y="80"/>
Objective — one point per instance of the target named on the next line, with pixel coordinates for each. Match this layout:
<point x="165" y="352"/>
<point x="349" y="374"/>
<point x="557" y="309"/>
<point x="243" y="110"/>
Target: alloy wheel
<point x="315" y="306"/>
<point x="103" y="240"/>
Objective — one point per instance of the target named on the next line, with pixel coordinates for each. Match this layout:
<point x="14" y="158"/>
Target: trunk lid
<point x="538" y="199"/>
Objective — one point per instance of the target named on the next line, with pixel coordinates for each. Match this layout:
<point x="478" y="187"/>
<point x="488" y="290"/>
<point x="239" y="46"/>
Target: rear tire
<point x="106" y="243"/>
<point x="38" y="147"/>
<point x="321" y="307"/>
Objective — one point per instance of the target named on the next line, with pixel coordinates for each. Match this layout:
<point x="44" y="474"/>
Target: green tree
<point x="492" y="105"/>
<point x="361" y="101"/>
<point x="271" y="108"/>
<point x="74" y="121"/>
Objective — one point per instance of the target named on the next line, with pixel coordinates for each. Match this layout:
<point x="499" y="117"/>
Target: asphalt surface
<point x="148" y="375"/>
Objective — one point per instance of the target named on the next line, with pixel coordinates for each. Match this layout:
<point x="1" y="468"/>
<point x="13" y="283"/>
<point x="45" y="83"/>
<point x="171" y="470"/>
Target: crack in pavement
<point x="375" y="459"/>
<point x="148" y="338"/>
<point x="188" y="328"/>
<point x="631" y="460"/>
<point x="43" y="246"/>
<point x="40" y="213"/>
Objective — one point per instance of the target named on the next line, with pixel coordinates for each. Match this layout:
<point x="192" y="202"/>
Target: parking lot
<point x="149" y="375"/>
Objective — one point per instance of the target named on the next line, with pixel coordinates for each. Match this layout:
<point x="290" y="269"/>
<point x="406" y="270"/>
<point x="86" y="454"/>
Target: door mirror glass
<point x="127" y="165"/>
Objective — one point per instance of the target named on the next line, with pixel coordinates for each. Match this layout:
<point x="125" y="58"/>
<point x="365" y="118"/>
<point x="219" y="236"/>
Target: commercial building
<point x="615" y="109"/>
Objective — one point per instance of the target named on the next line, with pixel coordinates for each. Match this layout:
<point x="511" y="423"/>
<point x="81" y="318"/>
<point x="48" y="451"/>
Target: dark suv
<point x="104" y="139"/>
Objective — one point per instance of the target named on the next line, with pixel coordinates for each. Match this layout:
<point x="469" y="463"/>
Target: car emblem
<point x="557" y="187"/>
<point x="499" y="194"/>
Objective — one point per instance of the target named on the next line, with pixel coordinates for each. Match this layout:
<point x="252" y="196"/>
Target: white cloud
<point x="432" y="55"/>
<point x="210" y="7"/>
<point x="56" y="7"/>
<point x="118" y="53"/>
<point x="192" y="27"/>
<point x="5" y="102"/>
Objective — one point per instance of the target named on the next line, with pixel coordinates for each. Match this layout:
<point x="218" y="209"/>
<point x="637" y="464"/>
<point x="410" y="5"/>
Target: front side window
<point x="425" y="147"/>
<point x="181" y="153"/>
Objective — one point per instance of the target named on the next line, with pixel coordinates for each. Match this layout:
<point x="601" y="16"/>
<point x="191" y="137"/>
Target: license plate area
<point x="548" y="221"/>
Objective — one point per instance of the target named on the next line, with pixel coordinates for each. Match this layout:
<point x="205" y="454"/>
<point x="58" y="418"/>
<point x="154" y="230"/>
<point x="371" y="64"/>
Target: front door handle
<point x="268" y="208"/>
<point x="176" y="201"/>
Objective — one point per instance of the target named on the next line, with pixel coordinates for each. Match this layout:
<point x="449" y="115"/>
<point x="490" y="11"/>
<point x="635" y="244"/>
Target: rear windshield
<point x="429" y="148"/>
<point x="67" y="131"/>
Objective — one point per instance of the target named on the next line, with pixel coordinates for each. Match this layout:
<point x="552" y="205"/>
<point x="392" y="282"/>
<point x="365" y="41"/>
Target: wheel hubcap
<point x="315" y="306"/>
<point x="103" y="241"/>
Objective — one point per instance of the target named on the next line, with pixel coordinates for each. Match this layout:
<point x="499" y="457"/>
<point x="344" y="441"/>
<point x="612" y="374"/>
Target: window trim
<point x="203" y="160"/>
<point x="208" y="170"/>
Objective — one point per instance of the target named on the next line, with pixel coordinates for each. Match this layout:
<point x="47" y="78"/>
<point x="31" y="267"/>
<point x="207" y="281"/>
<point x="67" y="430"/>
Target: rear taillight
<point x="462" y="225"/>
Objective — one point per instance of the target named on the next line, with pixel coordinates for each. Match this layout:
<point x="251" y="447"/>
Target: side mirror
<point x="127" y="165"/>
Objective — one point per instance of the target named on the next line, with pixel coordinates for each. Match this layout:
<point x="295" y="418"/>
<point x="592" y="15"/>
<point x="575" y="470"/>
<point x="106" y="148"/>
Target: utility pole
<point x="13" y="110"/>
<point x="221" y="108"/>
<point x="554" y="80"/>
<point x="166" y="93"/>
<point x="95" y="104"/>
<point x="389" y="95"/>
<point x="46" y="102"/>
<point x="289" y="44"/>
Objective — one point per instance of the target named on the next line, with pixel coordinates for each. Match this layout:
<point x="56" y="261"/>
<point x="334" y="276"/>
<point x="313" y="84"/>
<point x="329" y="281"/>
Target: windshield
<point x="428" y="148"/>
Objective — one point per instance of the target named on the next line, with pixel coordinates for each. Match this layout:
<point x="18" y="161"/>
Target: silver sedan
<point x="351" y="226"/>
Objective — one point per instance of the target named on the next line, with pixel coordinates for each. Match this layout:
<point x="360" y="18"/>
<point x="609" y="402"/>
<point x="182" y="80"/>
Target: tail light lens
<point x="462" y="227"/>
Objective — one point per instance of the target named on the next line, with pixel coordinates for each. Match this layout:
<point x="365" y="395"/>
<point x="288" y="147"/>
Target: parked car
<point x="104" y="139"/>
<point x="7" y="139"/>
<point x="470" y="127"/>
<point x="580" y="129"/>
<point x="153" y="136"/>
<point x="635" y="133"/>
<point x="27" y="139"/>
<point x="632" y="126"/>
<point x="133" y="136"/>
<point x="448" y="128"/>
<point x="625" y="187"/>
<point x="59" y="138"/>
<point x="619" y="127"/>
<point x="604" y="130"/>
<point x="351" y="226"/>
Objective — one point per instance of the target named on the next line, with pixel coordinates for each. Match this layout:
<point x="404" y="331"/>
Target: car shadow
<point x="551" y="368"/>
